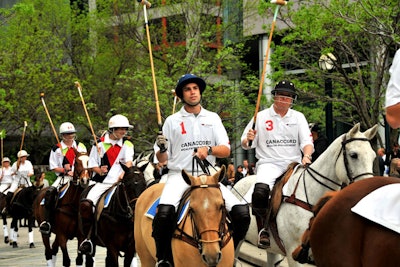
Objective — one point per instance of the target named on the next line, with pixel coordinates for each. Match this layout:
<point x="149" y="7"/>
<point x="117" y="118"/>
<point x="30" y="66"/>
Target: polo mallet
<point x="278" y="3"/>
<point x="2" y="136"/>
<point x="146" y="5"/>
<point x="48" y="116"/>
<point x="22" y="143"/>
<point x="78" y="85"/>
<point x="175" y="100"/>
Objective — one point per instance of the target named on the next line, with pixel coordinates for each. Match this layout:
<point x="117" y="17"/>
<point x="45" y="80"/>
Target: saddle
<point x="116" y="210"/>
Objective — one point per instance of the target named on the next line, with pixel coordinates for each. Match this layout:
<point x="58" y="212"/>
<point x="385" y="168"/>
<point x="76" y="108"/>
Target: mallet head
<point x="279" y="2"/>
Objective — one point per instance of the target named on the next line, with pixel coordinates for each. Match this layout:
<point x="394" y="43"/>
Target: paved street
<point x="23" y="256"/>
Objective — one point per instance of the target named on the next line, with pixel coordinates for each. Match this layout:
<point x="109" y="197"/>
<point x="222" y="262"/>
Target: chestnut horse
<point x="65" y="214"/>
<point x="114" y="226"/>
<point x="202" y="237"/>
<point x="349" y="158"/>
<point x="342" y="238"/>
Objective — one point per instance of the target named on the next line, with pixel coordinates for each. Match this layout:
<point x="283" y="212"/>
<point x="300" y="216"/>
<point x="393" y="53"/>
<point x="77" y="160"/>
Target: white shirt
<point x="57" y="155"/>
<point x="393" y="88"/>
<point x="185" y="132"/>
<point x="23" y="173"/>
<point x="6" y="173"/>
<point x="279" y="139"/>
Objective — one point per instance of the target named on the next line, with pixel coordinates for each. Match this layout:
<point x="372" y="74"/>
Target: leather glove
<point x="162" y="143"/>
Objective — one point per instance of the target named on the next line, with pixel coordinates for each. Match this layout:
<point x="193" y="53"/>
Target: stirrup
<point x="263" y="239"/>
<point x="163" y="263"/>
<point x="86" y="247"/>
<point x="45" y="228"/>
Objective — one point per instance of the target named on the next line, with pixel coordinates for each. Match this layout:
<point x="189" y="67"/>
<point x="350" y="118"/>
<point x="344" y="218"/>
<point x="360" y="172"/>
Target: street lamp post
<point x="326" y="63"/>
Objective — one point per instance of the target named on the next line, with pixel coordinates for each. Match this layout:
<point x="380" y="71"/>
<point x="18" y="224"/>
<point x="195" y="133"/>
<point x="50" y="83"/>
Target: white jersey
<point x="57" y="154"/>
<point x="393" y="88"/>
<point x="186" y="131"/>
<point x="6" y="175"/>
<point x="279" y="140"/>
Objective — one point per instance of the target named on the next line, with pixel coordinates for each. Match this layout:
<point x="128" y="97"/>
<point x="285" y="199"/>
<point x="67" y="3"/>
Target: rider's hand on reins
<point x="306" y="161"/>
<point x="201" y="152"/>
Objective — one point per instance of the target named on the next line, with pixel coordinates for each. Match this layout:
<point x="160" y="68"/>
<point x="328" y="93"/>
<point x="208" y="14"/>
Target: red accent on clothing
<point x="70" y="155"/>
<point x="112" y="153"/>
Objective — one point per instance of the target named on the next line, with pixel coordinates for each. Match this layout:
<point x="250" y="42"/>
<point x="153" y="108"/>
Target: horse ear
<point x="355" y="129"/>
<point x="221" y="173"/>
<point x="371" y="132"/>
<point x="124" y="167"/>
<point x="186" y="177"/>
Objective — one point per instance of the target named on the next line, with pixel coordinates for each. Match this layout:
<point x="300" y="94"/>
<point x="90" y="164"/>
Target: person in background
<point x="239" y="173"/>
<point x="383" y="168"/>
<point x="192" y="130"/>
<point x="41" y="181"/>
<point x="246" y="168"/>
<point x="6" y="179"/>
<point x="113" y="149"/>
<point x="280" y="136"/>
<point x="321" y="143"/>
<point x="61" y="162"/>
<point x="392" y="102"/>
<point x="229" y="179"/>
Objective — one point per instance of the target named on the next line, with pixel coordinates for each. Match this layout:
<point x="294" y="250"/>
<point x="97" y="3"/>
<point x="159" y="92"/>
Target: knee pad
<point x="260" y="196"/>
<point x="86" y="209"/>
<point x="50" y="196"/>
<point x="240" y="216"/>
<point x="164" y="221"/>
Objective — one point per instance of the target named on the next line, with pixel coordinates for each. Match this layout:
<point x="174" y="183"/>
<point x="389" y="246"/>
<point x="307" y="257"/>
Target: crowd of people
<point x="279" y="134"/>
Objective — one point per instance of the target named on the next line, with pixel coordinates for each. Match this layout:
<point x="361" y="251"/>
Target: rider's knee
<point x="164" y="219"/>
<point x="260" y="195"/>
<point x="240" y="216"/>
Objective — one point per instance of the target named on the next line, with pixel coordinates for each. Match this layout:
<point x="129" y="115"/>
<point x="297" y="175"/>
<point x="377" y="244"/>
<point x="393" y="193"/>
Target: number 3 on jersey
<point x="269" y="125"/>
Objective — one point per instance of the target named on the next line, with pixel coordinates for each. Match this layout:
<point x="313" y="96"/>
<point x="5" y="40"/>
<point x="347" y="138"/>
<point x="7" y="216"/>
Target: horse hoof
<point x="6" y="240"/>
<point x="31" y="245"/>
<point x="15" y="245"/>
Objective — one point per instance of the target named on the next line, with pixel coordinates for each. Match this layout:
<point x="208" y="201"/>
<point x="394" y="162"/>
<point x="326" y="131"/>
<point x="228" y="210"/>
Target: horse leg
<point x="14" y="225"/>
<point x="31" y="221"/>
<point x="47" y="250"/>
<point x="87" y="222"/>
<point x="54" y="251"/>
<point x="5" y="228"/>
<point x="112" y="258"/>
<point x="62" y="241"/>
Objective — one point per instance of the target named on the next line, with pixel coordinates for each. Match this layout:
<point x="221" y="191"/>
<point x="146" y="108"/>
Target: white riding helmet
<point x="6" y="159"/>
<point x="119" y="121"/>
<point x="67" y="128"/>
<point x="22" y="153"/>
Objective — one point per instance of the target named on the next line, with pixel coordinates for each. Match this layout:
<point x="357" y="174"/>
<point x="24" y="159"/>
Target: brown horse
<point x="342" y="238"/>
<point x="3" y="204"/>
<point x="202" y="237"/>
<point x="114" y="226"/>
<point x="65" y="219"/>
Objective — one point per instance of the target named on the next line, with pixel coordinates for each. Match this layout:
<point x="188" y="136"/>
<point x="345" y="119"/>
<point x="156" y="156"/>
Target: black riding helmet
<point x="285" y="86"/>
<point x="189" y="78"/>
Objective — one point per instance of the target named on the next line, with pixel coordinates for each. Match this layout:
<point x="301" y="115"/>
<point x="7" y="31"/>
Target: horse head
<point x="146" y="165"/>
<point x="134" y="181"/>
<point x="81" y="172"/>
<point x="353" y="155"/>
<point x="208" y="213"/>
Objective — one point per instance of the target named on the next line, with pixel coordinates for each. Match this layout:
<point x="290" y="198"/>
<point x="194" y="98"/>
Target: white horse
<point x="350" y="157"/>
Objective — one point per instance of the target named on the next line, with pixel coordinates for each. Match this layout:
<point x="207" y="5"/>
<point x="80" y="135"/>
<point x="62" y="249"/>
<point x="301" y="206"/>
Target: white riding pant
<point x="175" y="186"/>
<point x="267" y="173"/>
<point x="4" y="187"/>
<point x="14" y="186"/>
<point x="97" y="190"/>
<point x="61" y="181"/>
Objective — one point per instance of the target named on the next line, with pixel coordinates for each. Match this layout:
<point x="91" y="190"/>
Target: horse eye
<point x="354" y="155"/>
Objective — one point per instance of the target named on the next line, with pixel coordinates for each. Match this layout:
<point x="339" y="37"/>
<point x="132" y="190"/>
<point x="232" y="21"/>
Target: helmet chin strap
<point x="191" y="105"/>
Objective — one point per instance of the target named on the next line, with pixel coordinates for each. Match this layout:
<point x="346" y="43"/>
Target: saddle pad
<point x="151" y="212"/>
<point x="109" y="196"/>
<point x="63" y="190"/>
<point x="381" y="206"/>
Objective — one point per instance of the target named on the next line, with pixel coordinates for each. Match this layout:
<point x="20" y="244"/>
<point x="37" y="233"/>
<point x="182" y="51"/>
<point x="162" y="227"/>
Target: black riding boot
<point x="50" y="199"/>
<point x="260" y="204"/>
<point x="87" y="222"/>
<point x="240" y="216"/>
<point x="163" y="227"/>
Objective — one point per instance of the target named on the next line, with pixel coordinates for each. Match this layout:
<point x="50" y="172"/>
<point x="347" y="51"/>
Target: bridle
<point x="196" y="239"/>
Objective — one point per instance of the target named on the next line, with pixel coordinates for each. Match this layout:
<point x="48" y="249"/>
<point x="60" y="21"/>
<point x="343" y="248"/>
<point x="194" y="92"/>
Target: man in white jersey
<point x="193" y="127"/>
<point x="281" y="136"/>
<point x="393" y="93"/>
<point x="61" y="161"/>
